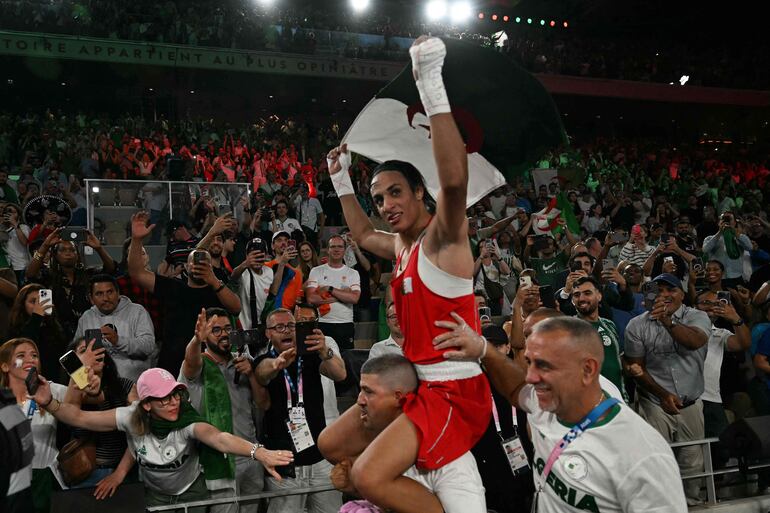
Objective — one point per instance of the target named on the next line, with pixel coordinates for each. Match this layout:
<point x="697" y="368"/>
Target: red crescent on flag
<point x="469" y="126"/>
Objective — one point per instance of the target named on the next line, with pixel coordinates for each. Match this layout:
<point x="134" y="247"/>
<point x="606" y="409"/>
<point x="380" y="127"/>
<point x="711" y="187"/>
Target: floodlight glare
<point x="359" y="5"/>
<point x="436" y="10"/>
<point x="460" y="11"/>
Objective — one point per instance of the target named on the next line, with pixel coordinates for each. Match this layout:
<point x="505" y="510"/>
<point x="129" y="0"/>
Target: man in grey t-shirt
<point x="666" y="350"/>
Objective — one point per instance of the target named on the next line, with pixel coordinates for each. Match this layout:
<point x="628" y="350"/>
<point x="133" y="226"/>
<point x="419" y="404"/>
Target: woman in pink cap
<point x="162" y="429"/>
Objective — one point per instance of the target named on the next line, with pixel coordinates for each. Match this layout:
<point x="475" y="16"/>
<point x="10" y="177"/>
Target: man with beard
<point x="684" y="235"/>
<point x="180" y="300"/>
<point x="224" y="389"/>
<point x="586" y="296"/>
<point x="215" y="242"/>
<point x="126" y="327"/>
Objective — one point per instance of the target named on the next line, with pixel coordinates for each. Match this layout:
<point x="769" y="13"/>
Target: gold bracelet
<point x="37" y="256"/>
<point x="52" y="411"/>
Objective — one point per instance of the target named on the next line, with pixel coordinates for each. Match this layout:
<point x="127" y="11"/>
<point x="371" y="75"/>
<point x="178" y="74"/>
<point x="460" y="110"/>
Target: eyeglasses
<point x="217" y="330"/>
<point x="165" y="401"/>
<point x="282" y="328"/>
<point x="706" y="302"/>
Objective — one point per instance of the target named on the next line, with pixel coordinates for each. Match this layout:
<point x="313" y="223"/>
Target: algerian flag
<point x="505" y="115"/>
<point x="547" y="220"/>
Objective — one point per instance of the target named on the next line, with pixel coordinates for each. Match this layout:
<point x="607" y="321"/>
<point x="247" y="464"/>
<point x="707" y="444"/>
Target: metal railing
<point x="242" y="499"/>
<point x="112" y="202"/>
<point x="708" y="474"/>
<point x="708" y="467"/>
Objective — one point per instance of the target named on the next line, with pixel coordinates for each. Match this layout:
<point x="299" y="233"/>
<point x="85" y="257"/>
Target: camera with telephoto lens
<point x="252" y="337"/>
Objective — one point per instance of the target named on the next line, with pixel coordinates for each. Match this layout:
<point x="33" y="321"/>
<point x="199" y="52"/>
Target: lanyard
<point x="31" y="409"/>
<point x="496" y="416"/>
<point x="577" y="430"/>
<point x="290" y="387"/>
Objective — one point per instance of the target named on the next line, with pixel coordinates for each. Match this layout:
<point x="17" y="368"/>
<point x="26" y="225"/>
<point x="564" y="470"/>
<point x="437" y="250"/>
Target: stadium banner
<point x="50" y="46"/>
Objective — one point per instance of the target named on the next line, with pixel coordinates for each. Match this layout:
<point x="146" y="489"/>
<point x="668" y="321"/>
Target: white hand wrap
<point x="483" y="349"/>
<point x="341" y="180"/>
<point x="427" y="60"/>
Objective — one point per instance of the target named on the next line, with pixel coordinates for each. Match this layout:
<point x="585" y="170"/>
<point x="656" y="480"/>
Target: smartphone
<point x="664" y="238"/>
<point x="252" y="337"/>
<point x="547" y="297"/>
<point x="724" y="296"/>
<point x="608" y="264"/>
<point x="96" y="335"/>
<point x="75" y="368"/>
<point x="303" y="330"/>
<point x="485" y="311"/>
<point x="525" y="281"/>
<point x="32" y="381"/>
<point x="576" y="266"/>
<point x="199" y="257"/>
<point x="46" y="295"/>
<point x="650" y="294"/>
<point x="697" y="268"/>
<point x="292" y="244"/>
<point x="668" y="259"/>
<point x="74" y="234"/>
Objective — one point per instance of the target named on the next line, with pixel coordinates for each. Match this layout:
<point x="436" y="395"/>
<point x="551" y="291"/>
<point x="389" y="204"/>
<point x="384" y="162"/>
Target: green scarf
<point x="215" y="464"/>
<point x="731" y="244"/>
<point x="216" y="408"/>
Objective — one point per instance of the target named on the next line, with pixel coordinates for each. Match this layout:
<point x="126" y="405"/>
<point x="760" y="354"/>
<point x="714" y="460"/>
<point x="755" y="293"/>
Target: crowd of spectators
<point x="313" y="29"/>
<point x="691" y="221"/>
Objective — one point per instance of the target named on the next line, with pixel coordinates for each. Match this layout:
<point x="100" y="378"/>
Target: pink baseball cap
<point x="156" y="382"/>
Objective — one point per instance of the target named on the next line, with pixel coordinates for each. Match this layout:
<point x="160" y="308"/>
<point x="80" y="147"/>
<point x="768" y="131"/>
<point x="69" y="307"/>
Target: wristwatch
<point x="330" y="289"/>
<point x="740" y="322"/>
<point x="221" y="286"/>
<point x="329" y="355"/>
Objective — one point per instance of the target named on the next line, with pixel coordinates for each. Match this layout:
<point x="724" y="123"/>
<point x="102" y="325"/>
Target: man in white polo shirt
<point x="334" y="288"/>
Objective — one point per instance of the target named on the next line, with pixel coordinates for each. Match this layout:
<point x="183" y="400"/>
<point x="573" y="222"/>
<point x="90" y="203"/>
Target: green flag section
<point x="505" y="115"/>
<point x="547" y="220"/>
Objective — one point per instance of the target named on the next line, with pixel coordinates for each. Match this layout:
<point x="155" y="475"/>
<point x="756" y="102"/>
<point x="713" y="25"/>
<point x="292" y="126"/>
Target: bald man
<point x="618" y="463"/>
<point x="386" y="381"/>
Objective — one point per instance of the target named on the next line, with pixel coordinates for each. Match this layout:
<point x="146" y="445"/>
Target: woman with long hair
<point x="17" y="357"/>
<point x="113" y="459"/>
<point x="163" y="431"/>
<point x="29" y="318"/>
<point x="308" y="258"/>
